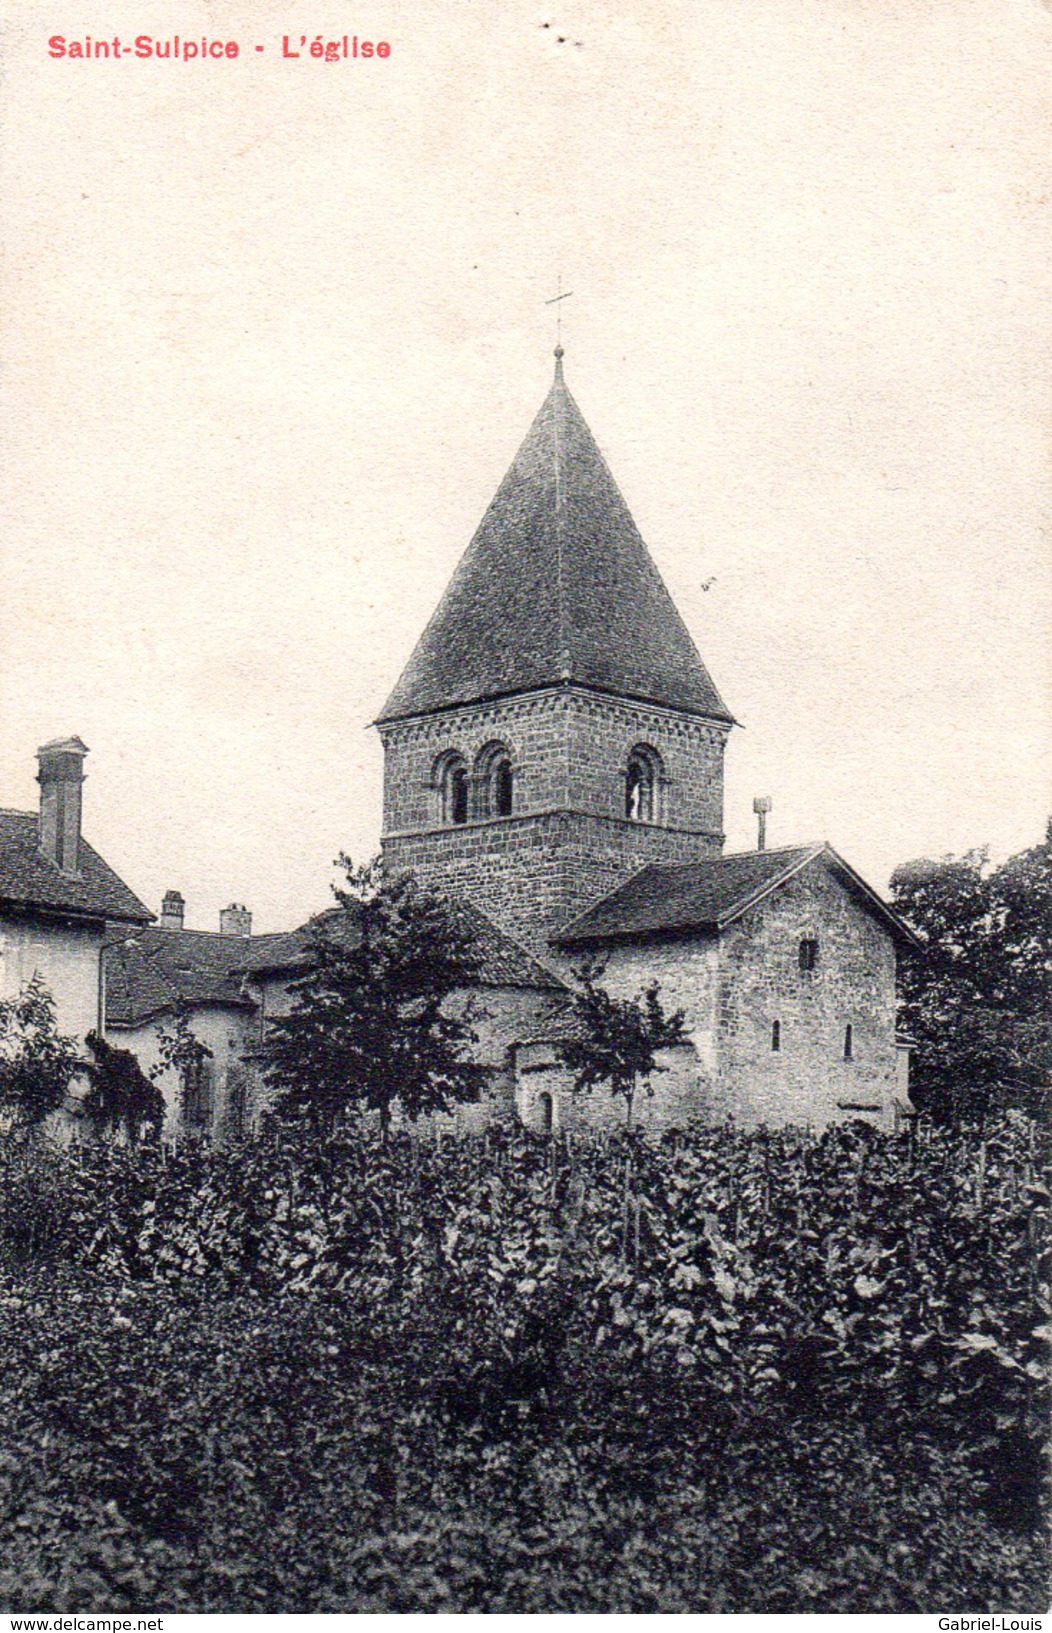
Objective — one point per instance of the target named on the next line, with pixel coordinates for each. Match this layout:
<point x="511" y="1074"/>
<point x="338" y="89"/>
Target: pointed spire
<point x="557" y="586"/>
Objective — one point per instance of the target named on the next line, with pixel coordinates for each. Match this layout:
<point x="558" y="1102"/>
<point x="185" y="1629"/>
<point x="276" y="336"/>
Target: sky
<point x="273" y="328"/>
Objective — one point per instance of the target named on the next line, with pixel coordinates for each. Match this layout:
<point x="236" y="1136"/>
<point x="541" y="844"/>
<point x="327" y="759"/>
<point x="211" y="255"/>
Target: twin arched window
<point x="489" y="792"/>
<point x="643" y="780"/>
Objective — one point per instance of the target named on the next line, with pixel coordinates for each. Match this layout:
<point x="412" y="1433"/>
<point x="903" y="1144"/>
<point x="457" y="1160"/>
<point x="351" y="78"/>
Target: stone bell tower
<point x="555" y="729"/>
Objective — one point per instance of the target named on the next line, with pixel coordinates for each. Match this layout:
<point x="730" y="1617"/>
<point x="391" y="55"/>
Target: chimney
<point x="61" y="777"/>
<point x="761" y="807"/>
<point x="172" y="909"/>
<point x="235" y="920"/>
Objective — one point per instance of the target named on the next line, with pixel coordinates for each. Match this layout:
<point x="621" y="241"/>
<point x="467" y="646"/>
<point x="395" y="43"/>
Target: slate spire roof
<point x="557" y="586"/>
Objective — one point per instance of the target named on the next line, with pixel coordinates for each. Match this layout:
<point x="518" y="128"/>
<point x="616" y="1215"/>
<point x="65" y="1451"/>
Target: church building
<point x="554" y="755"/>
<point x="553" y="762"/>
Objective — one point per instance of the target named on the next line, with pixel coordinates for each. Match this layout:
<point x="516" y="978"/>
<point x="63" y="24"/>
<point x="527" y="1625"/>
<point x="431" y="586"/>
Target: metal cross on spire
<point x="555" y="301"/>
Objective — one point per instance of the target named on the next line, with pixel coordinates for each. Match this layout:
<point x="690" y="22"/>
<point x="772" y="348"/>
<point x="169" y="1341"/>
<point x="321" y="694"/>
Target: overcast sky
<point x="274" y="329"/>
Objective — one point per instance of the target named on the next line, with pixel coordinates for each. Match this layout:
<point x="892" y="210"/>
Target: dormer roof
<point x="557" y="587"/>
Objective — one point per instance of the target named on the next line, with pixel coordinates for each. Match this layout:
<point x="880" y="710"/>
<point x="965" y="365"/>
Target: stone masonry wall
<point x="567" y="841"/>
<point x="532" y="874"/>
<point x="569" y="749"/>
<point x="732" y="991"/>
<point x="687" y="974"/>
<point x="807" y="1079"/>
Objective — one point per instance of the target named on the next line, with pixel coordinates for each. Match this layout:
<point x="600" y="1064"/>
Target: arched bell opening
<point x="494" y="781"/>
<point x="450" y="783"/>
<point x="644" y="782"/>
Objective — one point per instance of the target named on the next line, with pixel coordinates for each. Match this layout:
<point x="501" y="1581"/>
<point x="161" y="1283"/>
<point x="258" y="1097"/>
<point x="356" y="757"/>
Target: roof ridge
<point x="216" y="935"/>
<point x="769" y="850"/>
<point x="559" y="394"/>
<point x="709" y="896"/>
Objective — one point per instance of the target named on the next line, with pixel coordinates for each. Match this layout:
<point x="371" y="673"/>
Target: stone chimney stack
<point x="761" y="808"/>
<point x="61" y="778"/>
<point x="235" y="920"/>
<point x="173" y="908"/>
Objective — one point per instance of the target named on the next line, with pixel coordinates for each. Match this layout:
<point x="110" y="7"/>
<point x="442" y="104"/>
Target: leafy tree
<point x="37" y="1063"/>
<point x="618" y="1039"/>
<point x="121" y="1096"/>
<point x="975" y="997"/>
<point x="371" y="1022"/>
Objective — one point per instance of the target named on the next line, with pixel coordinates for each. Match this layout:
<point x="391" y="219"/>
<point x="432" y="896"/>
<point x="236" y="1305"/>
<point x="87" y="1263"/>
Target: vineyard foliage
<point x="725" y="1371"/>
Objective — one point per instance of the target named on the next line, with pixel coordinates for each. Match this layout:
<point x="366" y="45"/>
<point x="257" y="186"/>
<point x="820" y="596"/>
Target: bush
<point x="404" y="1377"/>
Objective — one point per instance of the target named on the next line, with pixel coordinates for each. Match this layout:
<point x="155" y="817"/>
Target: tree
<point x="120" y="1095"/>
<point x="372" y="1022"/>
<point x="975" y="997"/>
<point x="618" y="1039"/>
<point x="37" y="1062"/>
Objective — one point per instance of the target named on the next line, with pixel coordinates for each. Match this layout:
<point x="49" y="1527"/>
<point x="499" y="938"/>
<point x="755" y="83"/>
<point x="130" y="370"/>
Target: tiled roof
<point x="281" y="953"/>
<point x="504" y="962"/>
<point x="666" y="899"/>
<point x="560" y="1025"/>
<point x="148" y="973"/>
<point x="556" y="586"/>
<point x="30" y="881"/>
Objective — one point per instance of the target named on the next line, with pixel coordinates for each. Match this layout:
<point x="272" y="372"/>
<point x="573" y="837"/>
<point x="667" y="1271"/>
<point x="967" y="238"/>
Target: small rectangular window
<point x="808" y="953"/>
<point x="776" y="1036"/>
<point x="849" y="1042"/>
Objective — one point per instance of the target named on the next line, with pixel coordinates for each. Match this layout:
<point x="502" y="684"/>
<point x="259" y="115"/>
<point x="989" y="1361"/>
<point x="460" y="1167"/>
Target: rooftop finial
<point x="556" y="301"/>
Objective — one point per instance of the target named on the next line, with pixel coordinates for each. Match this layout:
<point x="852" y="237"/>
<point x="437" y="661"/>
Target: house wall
<point x="501" y="1017"/>
<point x="567" y="842"/>
<point x="807" y="1080"/>
<point x="230" y="1035"/>
<point x="68" y="957"/>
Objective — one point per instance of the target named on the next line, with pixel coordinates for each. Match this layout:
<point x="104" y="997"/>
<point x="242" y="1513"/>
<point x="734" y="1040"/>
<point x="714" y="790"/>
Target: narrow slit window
<point x="849" y="1042"/>
<point x="776" y="1036"/>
